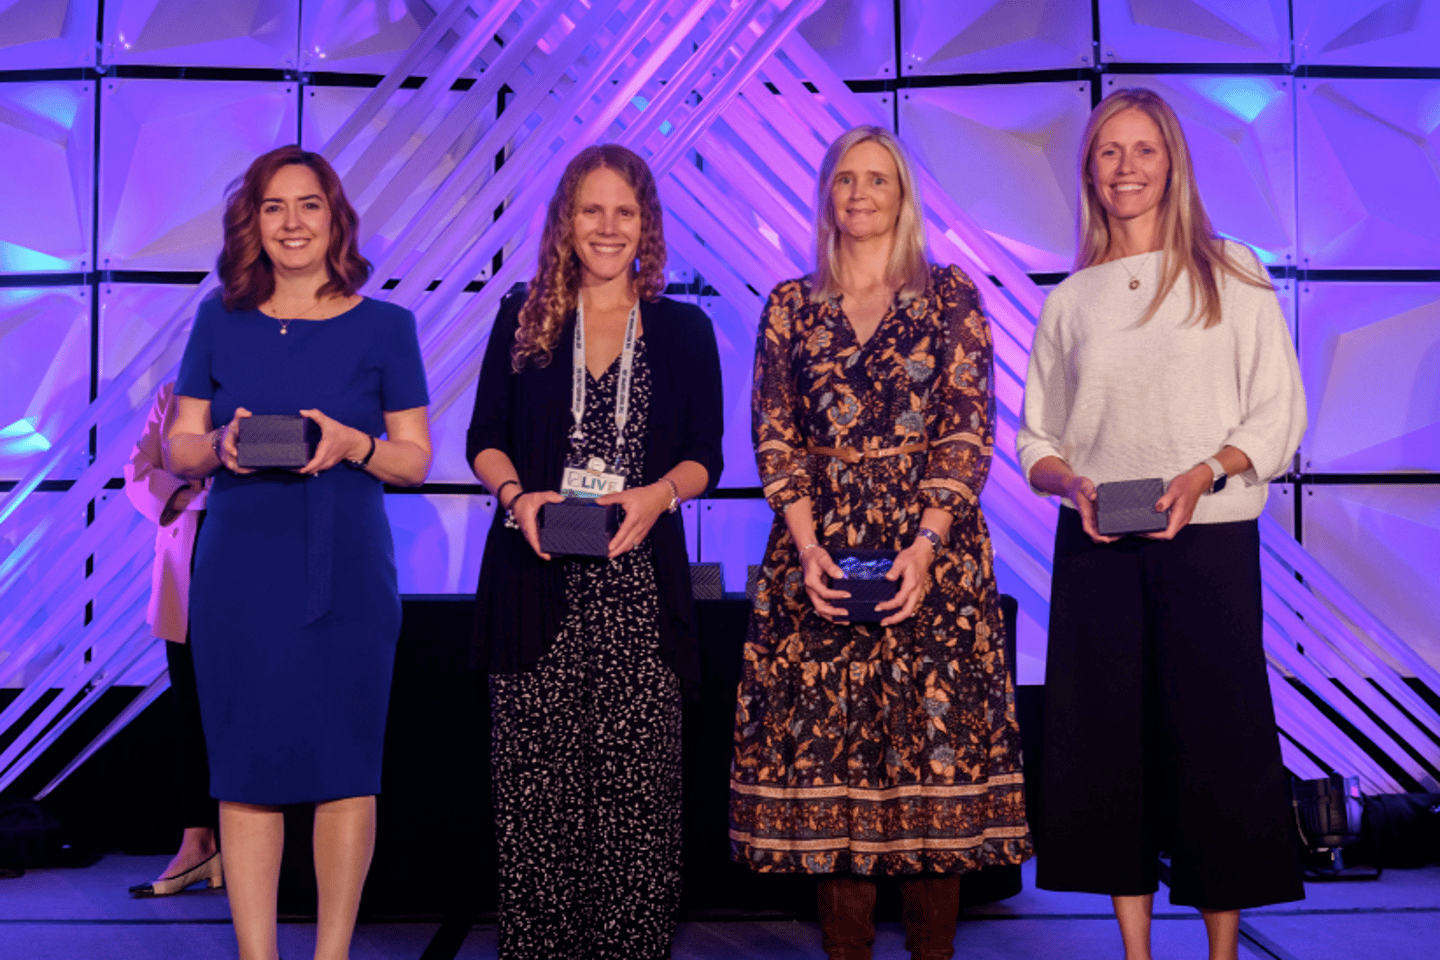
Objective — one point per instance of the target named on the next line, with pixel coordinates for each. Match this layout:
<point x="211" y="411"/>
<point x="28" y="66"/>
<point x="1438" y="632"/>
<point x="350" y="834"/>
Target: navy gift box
<point x="577" y="527"/>
<point x="865" y="582"/>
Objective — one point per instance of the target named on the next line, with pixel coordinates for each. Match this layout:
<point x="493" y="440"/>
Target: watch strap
<point x="1218" y="476"/>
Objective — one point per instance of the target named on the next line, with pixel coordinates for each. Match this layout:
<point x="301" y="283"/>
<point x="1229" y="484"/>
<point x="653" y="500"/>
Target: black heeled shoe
<point x="209" y="869"/>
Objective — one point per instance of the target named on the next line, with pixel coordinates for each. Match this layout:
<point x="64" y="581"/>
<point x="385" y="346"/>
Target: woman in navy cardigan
<point x="587" y="656"/>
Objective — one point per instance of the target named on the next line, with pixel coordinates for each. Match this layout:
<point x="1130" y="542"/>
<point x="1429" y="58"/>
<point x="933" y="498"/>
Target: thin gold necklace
<point x="1134" y="277"/>
<point x="285" y="324"/>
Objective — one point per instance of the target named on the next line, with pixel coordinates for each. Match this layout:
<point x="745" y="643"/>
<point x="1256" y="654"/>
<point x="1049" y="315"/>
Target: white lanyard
<point x="622" y="387"/>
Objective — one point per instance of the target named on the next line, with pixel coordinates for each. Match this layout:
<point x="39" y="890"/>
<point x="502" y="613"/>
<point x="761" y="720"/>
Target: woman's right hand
<point x="1081" y="492"/>
<point x="816" y="565"/>
<point x="228" y="448"/>
<point x="525" y="508"/>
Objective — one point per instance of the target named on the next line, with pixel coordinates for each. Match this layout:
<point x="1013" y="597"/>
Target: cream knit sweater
<point x="1118" y="401"/>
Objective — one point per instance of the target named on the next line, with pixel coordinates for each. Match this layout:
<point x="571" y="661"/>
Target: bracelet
<point x="215" y="442"/>
<point x="674" y="495"/>
<point x="365" y="462"/>
<point x="501" y="489"/>
<point x="808" y="546"/>
<point x="925" y="533"/>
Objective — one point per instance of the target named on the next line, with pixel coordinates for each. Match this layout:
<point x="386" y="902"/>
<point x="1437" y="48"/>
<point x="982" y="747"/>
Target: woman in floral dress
<point x="890" y="749"/>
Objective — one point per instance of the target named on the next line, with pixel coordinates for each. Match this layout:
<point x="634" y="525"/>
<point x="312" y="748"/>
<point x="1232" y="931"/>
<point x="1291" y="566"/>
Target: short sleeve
<point x="402" y="384"/>
<point x="196" y="374"/>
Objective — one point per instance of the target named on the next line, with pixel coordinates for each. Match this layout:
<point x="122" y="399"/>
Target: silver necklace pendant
<point x="1134" y="285"/>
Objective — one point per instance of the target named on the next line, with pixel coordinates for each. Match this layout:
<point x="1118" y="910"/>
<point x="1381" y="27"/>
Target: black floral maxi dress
<point x="858" y="748"/>
<point x="586" y="750"/>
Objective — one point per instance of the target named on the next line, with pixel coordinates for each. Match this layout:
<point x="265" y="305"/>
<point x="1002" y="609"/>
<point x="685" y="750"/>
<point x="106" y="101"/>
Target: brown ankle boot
<point x="847" y="916"/>
<point x="930" y="906"/>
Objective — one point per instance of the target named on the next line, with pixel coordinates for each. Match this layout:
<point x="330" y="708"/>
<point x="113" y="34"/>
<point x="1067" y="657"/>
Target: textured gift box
<point x="276" y="440"/>
<point x="707" y="581"/>
<point x="577" y="527"/>
<point x="1128" y="506"/>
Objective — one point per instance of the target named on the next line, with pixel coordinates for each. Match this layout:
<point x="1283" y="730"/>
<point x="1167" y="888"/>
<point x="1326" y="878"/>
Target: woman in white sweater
<point x="1164" y="355"/>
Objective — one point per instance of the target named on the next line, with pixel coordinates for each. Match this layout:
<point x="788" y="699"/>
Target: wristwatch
<point x="935" y="539"/>
<point x="1220" y="476"/>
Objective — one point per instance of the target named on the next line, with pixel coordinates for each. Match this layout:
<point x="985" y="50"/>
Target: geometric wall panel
<point x="1367" y="33"/>
<point x="1379" y="541"/>
<point x="40" y="34"/>
<point x="1006" y="154"/>
<point x="327" y="109"/>
<point x="1242" y="142"/>
<point x="1194" y="31"/>
<point x="989" y="36"/>
<point x="364" y="36"/>
<point x="439" y="539"/>
<point x="1280" y="505"/>
<point x="1370" y="356"/>
<point x="47" y="137"/>
<point x="855" y="37"/>
<point x="44" y="375"/>
<point x="130" y="314"/>
<point x="169" y="149"/>
<point x="176" y="33"/>
<point x="1369" y="183"/>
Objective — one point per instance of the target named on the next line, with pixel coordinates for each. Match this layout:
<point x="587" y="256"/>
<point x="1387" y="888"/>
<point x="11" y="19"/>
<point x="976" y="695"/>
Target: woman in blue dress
<point x="295" y="611"/>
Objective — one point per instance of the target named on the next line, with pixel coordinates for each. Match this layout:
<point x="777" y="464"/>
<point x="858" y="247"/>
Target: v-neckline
<point x="839" y="302"/>
<point x="611" y="365"/>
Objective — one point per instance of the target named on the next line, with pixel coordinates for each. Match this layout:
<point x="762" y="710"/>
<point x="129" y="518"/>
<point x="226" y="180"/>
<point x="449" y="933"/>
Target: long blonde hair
<point x="909" y="266"/>
<point x="1188" y="242"/>
<point x="556" y="287"/>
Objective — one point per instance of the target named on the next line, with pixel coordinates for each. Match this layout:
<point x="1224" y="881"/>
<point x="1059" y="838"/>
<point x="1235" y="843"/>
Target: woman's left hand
<point x="642" y="506"/>
<point x="337" y="442"/>
<point x="1180" y="498"/>
<point x="912" y="569"/>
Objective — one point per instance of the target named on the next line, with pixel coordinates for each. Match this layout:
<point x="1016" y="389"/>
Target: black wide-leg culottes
<point x="1159" y="728"/>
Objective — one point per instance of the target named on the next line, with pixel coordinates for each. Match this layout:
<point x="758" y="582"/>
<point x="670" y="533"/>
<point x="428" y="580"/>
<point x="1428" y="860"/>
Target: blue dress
<point x="294" y="607"/>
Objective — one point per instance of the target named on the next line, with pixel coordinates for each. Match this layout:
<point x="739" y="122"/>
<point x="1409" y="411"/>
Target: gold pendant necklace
<point x="285" y="324"/>
<point x="1134" y="278"/>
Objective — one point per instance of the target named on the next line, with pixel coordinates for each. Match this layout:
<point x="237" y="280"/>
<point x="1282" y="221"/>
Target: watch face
<point x="1219" y="483"/>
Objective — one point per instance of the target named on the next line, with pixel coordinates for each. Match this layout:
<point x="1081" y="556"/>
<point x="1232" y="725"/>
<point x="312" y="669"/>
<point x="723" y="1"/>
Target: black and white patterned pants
<point x="586" y="763"/>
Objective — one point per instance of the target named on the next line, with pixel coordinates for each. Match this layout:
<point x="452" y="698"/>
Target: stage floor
<point x="84" y="913"/>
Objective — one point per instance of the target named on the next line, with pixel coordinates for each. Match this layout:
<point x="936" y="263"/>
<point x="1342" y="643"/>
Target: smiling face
<point x="295" y="221"/>
<point x="1130" y="166"/>
<point x="865" y="192"/>
<point x="606" y="227"/>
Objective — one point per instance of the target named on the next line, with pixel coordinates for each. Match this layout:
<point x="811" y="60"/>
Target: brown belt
<point x="851" y="455"/>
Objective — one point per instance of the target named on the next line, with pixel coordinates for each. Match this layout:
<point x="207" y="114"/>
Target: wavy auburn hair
<point x="1188" y="242"/>
<point x="246" y="273"/>
<point x="556" y="287"/>
<point x="909" y="266"/>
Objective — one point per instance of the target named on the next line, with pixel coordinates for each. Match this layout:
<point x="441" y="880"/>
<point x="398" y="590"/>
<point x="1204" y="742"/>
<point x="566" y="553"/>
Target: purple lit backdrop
<point x="1287" y="164"/>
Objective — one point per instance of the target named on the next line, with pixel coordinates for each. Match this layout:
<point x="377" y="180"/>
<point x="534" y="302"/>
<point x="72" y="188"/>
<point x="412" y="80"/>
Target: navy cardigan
<point x="520" y="601"/>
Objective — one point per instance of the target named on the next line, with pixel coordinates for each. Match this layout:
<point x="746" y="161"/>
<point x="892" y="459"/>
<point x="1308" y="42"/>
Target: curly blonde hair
<point x="556" y="287"/>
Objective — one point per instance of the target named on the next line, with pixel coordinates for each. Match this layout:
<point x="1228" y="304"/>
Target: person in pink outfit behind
<point x="177" y="506"/>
